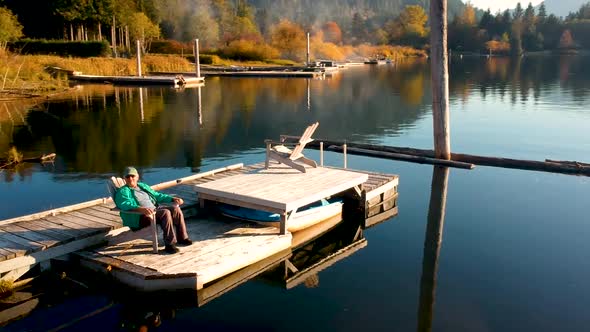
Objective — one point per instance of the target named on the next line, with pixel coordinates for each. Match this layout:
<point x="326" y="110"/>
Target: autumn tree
<point x="497" y="47"/>
<point x="143" y="29"/>
<point x="566" y="41"/>
<point x="332" y="32"/>
<point x="203" y="26"/>
<point x="289" y="39"/>
<point x="467" y="18"/>
<point x="464" y="32"/>
<point x="10" y="28"/>
<point x="409" y="27"/>
<point x="223" y="14"/>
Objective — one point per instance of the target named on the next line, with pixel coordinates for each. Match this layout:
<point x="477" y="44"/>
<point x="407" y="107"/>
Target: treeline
<point x="520" y="30"/>
<point x="235" y="29"/>
<point x="262" y="29"/>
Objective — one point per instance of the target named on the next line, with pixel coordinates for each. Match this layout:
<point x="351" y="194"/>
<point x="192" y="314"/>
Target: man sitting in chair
<point x="139" y="197"/>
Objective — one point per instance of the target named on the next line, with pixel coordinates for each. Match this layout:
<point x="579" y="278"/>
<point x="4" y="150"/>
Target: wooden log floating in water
<point x="404" y="157"/>
<point x="46" y="158"/>
<point x="570" y="167"/>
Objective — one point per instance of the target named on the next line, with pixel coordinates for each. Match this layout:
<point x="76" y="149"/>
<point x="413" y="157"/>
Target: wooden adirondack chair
<point x="113" y="185"/>
<point x="283" y="154"/>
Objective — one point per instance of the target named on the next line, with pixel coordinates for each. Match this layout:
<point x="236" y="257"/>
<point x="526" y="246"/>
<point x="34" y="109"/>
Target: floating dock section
<point x="175" y="81"/>
<point x="221" y="250"/>
<point x="306" y="74"/>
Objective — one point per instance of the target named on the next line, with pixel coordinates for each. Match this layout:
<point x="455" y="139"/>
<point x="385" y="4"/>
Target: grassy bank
<point x="27" y="75"/>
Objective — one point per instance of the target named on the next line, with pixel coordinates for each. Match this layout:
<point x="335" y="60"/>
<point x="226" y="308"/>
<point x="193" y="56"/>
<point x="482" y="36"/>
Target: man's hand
<point x="146" y="211"/>
<point x="178" y="200"/>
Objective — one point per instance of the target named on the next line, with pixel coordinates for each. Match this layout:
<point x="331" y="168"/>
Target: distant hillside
<point x="563" y="7"/>
<point x="342" y="11"/>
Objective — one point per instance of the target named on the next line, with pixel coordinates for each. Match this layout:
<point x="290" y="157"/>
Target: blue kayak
<point x="263" y="216"/>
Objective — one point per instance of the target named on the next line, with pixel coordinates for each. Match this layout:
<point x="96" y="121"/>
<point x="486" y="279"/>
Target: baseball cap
<point x="131" y="171"/>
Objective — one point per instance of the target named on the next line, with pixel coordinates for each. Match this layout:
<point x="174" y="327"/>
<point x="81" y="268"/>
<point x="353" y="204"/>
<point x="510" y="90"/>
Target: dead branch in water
<point x="13" y="162"/>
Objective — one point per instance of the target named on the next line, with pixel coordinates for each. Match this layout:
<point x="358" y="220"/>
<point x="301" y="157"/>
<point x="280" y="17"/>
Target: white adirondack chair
<point x="280" y="151"/>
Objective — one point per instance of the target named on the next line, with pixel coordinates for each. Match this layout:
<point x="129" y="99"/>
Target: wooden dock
<point x="286" y="73"/>
<point x="173" y="80"/>
<point x="220" y="247"/>
<point x="280" y="189"/>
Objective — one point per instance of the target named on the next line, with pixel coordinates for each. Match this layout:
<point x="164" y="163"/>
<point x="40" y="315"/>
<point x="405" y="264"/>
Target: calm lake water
<point x="515" y="250"/>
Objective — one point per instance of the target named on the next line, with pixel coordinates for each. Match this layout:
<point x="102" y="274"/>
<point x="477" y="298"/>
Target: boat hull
<point x="301" y="220"/>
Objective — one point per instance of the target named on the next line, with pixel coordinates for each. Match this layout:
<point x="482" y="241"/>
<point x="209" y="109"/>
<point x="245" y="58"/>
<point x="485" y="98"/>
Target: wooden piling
<point x="440" y="78"/>
<point x="321" y="153"/>
<point x="138" y="44"/>
<point x="197" y="61"/>
<point x="307" y="56"/>
<point x="344" y="152"/>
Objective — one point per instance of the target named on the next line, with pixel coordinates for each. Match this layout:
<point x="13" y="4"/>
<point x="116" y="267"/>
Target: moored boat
<point x="306" y="216"/>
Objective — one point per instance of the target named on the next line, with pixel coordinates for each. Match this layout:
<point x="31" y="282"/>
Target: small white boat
<point x="306" y="216"/>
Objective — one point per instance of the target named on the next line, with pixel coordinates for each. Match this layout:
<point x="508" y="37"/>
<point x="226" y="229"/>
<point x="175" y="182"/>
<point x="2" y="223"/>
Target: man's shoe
<point x="185" y="242"/>
<point x="171" y="249"/>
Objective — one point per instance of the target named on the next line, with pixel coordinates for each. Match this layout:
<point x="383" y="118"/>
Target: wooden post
<point x="197" y="62"/>
<point x="344" y="153"/>
<point x="440" y="78"/>
<point x="322" y="154"/>
<point x="307" y="57"/>
<point x="283" y="224"/>
<point x="432" y="245"/>
<point x="138" y="57"/>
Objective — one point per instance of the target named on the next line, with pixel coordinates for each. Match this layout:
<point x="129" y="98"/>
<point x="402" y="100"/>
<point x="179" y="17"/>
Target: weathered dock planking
<point x="280" y="189"/>
<point x="29" y="240"/>
<point x="219" y="249"/>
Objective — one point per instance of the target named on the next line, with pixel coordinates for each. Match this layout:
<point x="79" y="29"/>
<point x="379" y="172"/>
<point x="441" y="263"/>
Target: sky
<point x="496" y="5"/>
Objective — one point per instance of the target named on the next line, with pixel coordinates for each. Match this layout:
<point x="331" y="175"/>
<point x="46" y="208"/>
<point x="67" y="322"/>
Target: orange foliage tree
<point x="566" y="41"/>
<point x="289" y="39"/>
<point x="497" y="46"/>
<point x="332" y="32"/>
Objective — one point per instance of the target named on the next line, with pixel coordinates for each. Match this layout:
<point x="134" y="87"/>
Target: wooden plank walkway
<point x="176" y="81"/>
<point x="29" y="240"/>
<point x="219" y="248"/>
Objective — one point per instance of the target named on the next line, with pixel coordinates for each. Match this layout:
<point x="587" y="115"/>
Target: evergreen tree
<point x="542" y="12"/>
<point x="517" y="12"/>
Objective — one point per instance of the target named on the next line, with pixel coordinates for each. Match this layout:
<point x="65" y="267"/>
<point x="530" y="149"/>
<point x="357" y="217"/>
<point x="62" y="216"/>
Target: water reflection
<point x="432" y="246"/>
<point x="518" y="77"/>
<point x="100" y="129"/>
<point x="316" y="249"/>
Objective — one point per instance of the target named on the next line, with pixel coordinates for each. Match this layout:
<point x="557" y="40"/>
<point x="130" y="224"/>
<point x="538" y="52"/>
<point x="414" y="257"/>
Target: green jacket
<point x="125" y="200"/>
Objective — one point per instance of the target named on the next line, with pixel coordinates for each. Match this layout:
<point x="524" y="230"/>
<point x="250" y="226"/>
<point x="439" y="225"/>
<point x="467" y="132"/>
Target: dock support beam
<point x="440" y="79"/>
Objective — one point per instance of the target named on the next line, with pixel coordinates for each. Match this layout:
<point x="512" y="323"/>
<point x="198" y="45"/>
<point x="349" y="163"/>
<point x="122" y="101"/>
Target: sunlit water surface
<point x="515" y="252"/>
